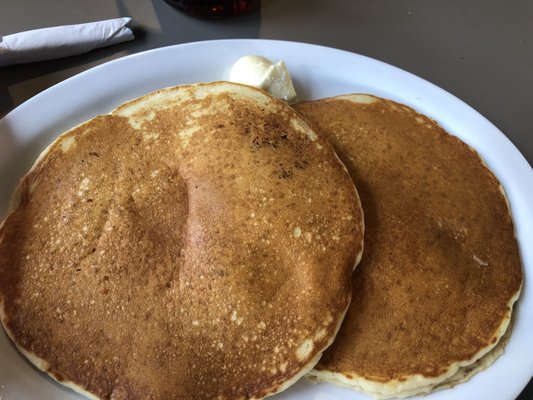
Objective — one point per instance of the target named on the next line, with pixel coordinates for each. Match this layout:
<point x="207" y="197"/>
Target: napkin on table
<point x="62" y="41"/>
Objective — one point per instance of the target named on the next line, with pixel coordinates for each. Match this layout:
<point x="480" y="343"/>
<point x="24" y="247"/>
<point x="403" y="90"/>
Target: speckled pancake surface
<point x="441" y="270"/>
<point x="195" y="243"/>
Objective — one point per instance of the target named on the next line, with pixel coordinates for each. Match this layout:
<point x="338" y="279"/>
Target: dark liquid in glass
<point x="213" y="8"/>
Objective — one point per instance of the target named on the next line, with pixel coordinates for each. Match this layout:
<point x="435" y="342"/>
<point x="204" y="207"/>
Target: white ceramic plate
<point x="317" y="72"/>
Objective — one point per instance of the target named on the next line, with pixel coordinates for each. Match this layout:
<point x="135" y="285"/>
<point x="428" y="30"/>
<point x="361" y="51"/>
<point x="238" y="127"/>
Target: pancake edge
<point x="15" y="201"/>
<point x="39" y="363"/>
<point x="419" y="384"/>
<point x="309" y="367"/>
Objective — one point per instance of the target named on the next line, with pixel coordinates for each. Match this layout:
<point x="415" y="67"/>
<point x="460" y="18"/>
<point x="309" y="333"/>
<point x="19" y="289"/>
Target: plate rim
<point x="519" y="192"/>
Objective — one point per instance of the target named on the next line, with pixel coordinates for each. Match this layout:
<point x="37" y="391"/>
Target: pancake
<point x="197" y="242"/>
<point x="441" y="269"/>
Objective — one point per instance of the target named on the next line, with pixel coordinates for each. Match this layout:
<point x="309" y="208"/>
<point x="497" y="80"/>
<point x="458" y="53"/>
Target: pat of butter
<point x="262" y="73"/>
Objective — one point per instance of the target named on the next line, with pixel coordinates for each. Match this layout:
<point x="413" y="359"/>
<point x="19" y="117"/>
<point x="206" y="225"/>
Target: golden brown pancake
<point x="441" y="268"/>
<point x="195" y="243"/>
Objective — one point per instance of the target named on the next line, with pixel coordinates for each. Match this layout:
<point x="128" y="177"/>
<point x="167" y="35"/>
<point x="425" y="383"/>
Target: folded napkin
<point x="62" y="41"/>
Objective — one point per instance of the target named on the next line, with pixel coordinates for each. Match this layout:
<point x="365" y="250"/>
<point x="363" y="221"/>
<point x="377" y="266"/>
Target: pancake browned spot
<point x="441" y="268"/>
<point x="195" y="243"/>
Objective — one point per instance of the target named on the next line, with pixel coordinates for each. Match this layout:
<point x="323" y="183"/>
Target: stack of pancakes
<point x="200" y="242"/>
<point x="441" y="270"/>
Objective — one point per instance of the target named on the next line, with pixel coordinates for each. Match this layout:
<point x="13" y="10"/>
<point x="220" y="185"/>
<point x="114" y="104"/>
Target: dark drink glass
<point x="213" y="8"/>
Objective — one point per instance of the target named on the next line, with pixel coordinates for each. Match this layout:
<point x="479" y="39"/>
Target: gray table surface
<point x="479" y="50"/>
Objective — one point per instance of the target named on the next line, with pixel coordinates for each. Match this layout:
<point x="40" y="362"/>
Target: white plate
<point x="317" y="72"/>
